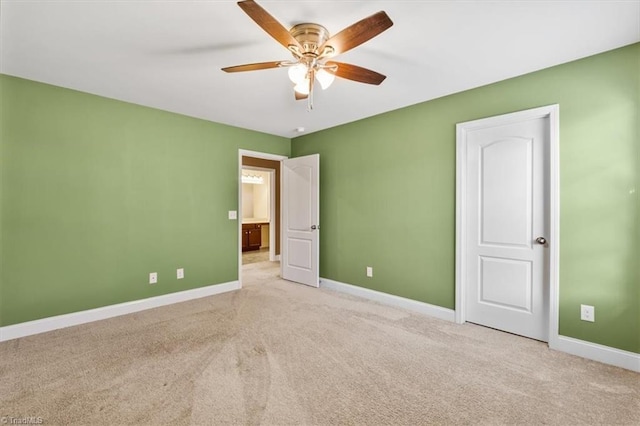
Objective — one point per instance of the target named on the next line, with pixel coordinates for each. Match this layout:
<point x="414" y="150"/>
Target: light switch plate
<point x="369" y="271"/>
<point x="233" y="214"/>
<point x="153" y="277"/>
<point x="180" y="273"/>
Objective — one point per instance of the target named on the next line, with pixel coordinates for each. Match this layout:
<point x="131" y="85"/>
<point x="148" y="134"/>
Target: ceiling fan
<point x="313" y="47"/>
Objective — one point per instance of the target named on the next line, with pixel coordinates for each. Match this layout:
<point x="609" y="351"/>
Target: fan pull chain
<point x="312" y="78"/>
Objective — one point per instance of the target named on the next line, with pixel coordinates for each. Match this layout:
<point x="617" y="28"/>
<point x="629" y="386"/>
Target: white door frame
<point x="552" y="113"/>
<point x="264" y="156"/>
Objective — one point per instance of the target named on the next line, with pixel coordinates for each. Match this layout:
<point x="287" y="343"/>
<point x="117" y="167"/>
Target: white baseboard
<point x="390" y="299"/>
<point x="28" y="328"/>
<point x="581" y="348"/>
<point x="596" y="352"/>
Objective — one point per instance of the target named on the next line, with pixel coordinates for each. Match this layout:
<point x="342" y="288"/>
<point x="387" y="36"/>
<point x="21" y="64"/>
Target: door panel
<point x="506" y="192"/>
<point x="505" y="286"/>
<point x="300" y="206"/>
<point x="497" y="274"/>
<point x="299" y="200"/>
<point x="300" y="253"/>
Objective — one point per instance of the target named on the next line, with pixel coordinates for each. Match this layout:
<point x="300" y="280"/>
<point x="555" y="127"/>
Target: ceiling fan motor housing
<point x="311" y="37"/>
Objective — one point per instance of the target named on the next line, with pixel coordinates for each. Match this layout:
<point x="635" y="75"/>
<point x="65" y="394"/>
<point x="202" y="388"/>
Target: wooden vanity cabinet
<point x="251" y="236"/>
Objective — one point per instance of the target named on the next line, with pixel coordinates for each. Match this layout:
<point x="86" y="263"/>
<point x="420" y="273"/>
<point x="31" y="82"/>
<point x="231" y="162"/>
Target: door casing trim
<point x="551" y="112"/>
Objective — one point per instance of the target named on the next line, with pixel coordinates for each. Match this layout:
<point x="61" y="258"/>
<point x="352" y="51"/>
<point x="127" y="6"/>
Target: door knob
<point x="314" y="227"/>
<point x="541" y="240"/>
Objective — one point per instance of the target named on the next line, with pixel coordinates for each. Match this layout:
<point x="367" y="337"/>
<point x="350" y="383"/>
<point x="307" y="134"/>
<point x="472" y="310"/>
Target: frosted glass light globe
<point x="298" y="73"/>
<point x="302" y="87"/>
<point x="325" y="78"/>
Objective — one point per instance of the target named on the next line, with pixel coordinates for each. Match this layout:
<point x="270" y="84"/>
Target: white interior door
<point x="507" y="223"/>
<point x="300" y="214"/>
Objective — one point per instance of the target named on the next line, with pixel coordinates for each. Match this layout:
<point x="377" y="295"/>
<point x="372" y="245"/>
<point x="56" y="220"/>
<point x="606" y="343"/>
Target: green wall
<point x="388" y="192"/>
<point x="97" y="193"/>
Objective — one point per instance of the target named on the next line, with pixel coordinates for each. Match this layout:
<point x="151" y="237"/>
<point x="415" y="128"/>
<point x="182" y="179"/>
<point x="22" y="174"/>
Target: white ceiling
<point x="168" y="54"/>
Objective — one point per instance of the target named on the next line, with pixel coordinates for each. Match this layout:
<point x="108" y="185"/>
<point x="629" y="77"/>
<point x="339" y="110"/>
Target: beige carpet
<point x="281" y="353"/>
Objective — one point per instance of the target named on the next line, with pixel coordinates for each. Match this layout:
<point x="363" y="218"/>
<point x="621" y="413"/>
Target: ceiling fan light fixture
<point x="311" y="46"/>
<point x="302" y="87"/>
<point x="325" y="78"/>
<point x="298" y="73"/>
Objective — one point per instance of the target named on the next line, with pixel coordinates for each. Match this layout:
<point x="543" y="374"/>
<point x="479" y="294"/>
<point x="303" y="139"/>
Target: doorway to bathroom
<point x="259" y="208"/>
<point x="257" y="188"/>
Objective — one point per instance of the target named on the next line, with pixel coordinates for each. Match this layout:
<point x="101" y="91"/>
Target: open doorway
<point x="259" y="208"/>
<point x="258" y="214"/>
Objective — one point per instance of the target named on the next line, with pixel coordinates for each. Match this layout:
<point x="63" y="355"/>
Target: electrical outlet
<point x="233" y="215"/>
<point x="587" y="313"/>
<point x="369" y="271"/>
<point x="153" y="277"/>
<point x="180" y="273"/>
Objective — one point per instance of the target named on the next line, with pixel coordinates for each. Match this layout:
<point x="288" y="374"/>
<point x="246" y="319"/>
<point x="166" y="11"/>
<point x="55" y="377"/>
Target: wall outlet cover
<point x="587" y="313"/>
<point x="233" y="214"/>
<point x="153" y="277"/>
<point x="180" y="273"/>
<point x="369" y="271"/>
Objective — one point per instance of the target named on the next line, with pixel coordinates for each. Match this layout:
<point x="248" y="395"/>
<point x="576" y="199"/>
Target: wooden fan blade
<point x="358" y="33"/>
<point x="268" y="23"/>
<point x="300" y="96"/>
<point x="356" y="73"/>
<point x="252" y="67"/>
